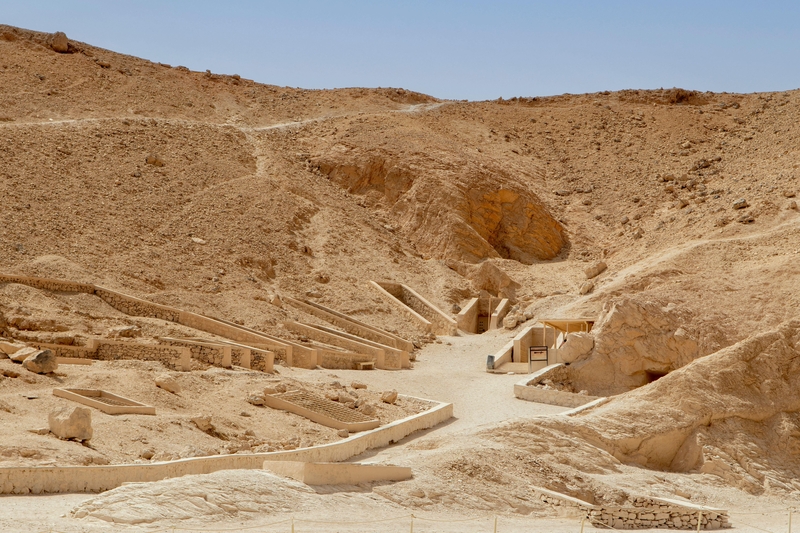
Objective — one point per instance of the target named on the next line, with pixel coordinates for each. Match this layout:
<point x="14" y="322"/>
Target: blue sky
<point x="451" y="49"/>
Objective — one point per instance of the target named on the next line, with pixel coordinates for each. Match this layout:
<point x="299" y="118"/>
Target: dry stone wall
<point x="136" y="307"/>
<point x="645" y="513"/>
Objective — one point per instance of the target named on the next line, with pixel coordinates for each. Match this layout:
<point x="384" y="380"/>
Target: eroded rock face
<point x="461" y="210"/>
<point x="577" y="345"/>
<point x="638" y="342"/>
<point x="486" y="276"/>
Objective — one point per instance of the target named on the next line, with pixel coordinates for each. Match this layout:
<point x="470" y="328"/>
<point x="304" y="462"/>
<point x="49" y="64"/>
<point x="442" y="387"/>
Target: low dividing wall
<point x="51" y="479"/>
<point x="394" y="358"/>
<point x="526" y="390"/>
<point x="645" y="513"/>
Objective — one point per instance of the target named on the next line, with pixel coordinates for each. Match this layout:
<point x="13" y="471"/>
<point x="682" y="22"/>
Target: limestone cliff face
<point x="638" y="341"/>
<point x="452" y="210"/>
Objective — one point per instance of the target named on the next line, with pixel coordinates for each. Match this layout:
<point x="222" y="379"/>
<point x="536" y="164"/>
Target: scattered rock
<point x="203" y="423"/>
<point x="127" y="332"/>
<point x="510" y="321"/>
<point x="358" y="385"/>
<point x="595" y="269"/>
<point x="198" y="240"/>
<point x="281" y="388"/>
<point x="455" y="309"/>
<point x="147" y="454"/>
<point x="793" y="205"/>
<point x="389" y="396"/>
<point x="71" y="423"/>
<point x="789" y="194"/>
<point x="255" y="399"/>
<point x="155" y="160"/>
<point x="270" y="391"/>
<point x="59" y="42"/>
<point x="7" y="372"/>
<point x="576" y="346"/>
<point x="42" y="362"/>
<point x="343" y="433"/>
<point x="168" y="383"/>
<point x="587" y="287"/>
<point x="22" y="354"/>
<point x="741" y="203"/>
<point x="343" y="397"/>
<point x="367" y="409"/>
<point x="276" y="300"/>
<point x="746" y="218"/>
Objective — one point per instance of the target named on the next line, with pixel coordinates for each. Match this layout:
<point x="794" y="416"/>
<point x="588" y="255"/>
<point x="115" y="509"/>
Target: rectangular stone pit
<point x="105" y="401"/>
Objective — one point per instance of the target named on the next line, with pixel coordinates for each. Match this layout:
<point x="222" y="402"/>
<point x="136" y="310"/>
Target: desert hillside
<point x="224" y="197"/>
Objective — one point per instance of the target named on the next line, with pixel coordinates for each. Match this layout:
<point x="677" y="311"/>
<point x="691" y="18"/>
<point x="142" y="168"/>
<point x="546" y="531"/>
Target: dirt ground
<point x="215" y="194"/>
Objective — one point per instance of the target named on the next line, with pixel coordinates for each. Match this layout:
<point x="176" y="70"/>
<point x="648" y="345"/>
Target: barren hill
<point x="214" y="193"/>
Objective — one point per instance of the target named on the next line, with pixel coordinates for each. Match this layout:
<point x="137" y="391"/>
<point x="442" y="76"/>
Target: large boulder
<point x="576" y="346"/>
<point x="71" y="423"/>
<point x="59" y="42"/>
<point x="42" y="362"/>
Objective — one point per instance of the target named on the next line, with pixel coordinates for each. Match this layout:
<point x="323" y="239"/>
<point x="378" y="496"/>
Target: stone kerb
<point x="53" y="479"/>
<point x="526" y="390"/>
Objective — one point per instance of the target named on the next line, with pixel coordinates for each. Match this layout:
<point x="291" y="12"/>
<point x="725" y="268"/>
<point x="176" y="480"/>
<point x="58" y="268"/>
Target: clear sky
<point x="450" y="49"/>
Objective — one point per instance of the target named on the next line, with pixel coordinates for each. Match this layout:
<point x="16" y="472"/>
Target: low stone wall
<point x="173" y="357"/>
<point x="213" y="354"/>
<point x="320" y="335"/>
<point x="48" y="284"/>
<point x="526" y="390"/>
<point x="394" y="358"/>
<point x="337" y="473"/>
<point x="53" y="479"/>
<point x="645" y="513"/>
